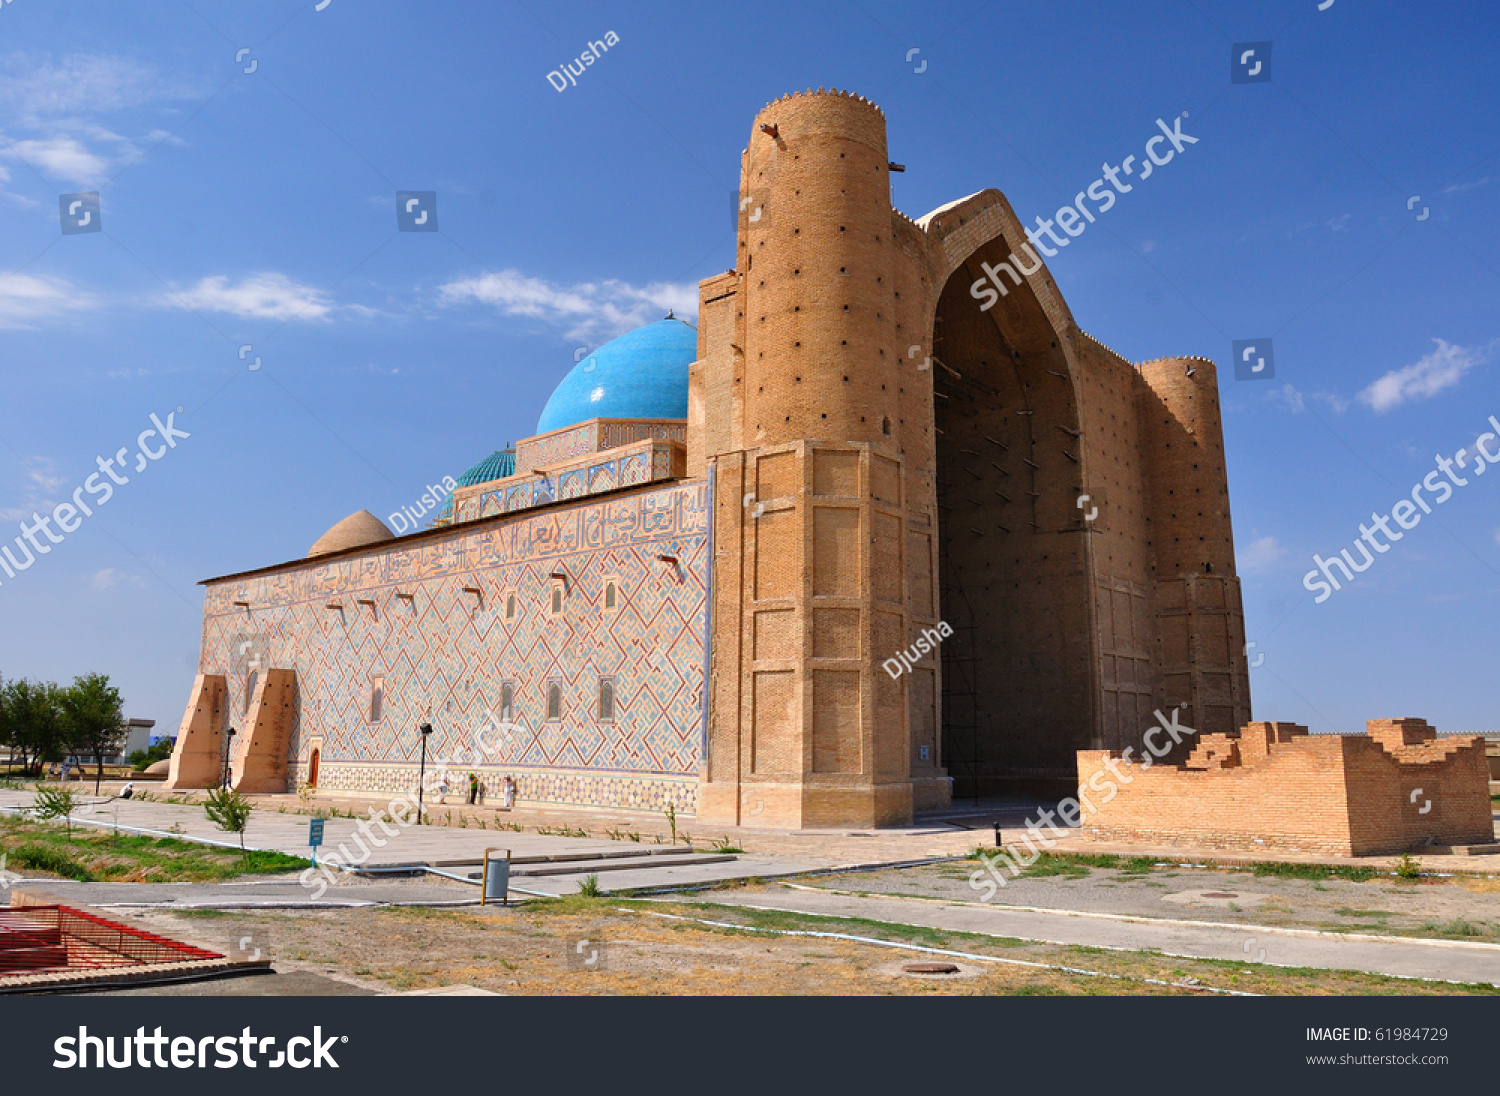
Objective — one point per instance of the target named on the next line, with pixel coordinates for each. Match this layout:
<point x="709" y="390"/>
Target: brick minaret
<point x="805" y="409"/>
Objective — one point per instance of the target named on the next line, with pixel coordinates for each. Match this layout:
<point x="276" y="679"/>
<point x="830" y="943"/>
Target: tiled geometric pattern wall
<point x="445" y="654"/>
<point x="593" y="436"/>
<point x="625" y="466"/>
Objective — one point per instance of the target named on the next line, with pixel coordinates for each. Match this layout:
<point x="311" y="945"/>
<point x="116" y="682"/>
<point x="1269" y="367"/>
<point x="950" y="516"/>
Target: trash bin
<point x="496" y="879"/>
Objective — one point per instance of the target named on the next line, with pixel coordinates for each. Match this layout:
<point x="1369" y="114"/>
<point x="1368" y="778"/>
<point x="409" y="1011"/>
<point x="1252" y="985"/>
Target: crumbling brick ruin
<point x="1274" y="787"/>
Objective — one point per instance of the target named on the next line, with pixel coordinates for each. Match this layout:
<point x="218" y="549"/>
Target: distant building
<point x="691" y="585"/>
<point x="137" y="737"/>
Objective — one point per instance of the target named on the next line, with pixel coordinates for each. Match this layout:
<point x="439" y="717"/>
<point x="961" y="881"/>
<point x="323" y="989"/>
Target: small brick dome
<point x="355" y="531"/>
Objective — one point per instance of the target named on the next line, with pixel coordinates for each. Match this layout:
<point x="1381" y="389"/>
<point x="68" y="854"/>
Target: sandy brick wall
<point x="1274" y="787"/>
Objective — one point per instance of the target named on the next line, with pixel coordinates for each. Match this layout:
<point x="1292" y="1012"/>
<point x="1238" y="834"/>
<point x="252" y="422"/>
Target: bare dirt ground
<point x="1460" y="907"/>
<point x="581" y="946"/>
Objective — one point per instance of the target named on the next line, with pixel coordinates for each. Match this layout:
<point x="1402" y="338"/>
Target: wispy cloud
<point x="1260" y="555"/>
<point x="108" y="578"/>
<point x="262" y="296"/>
<point x="49" y="112"/>
<point x="586" y="309"/>
<point x="63" y="158"/>
<point x="37" y="486"/>
<point x="1436" y="371"/>
<point x="1459" y="188"/>
<point x="1296" y="400"/>
<point x="27" y="301"/>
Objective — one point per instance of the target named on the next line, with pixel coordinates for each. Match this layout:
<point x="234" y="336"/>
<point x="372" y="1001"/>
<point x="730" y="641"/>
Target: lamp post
<point x="228" y="753"/>
<point x="426" y="729"/>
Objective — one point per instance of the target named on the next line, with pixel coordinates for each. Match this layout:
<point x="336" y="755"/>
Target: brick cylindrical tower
<point x="1183" y="439"/>
<point x="818" y="261"/>
<point x="1199" y="608"/>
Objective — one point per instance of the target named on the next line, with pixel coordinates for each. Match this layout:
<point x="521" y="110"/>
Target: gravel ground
<point x="1431" y="907"/>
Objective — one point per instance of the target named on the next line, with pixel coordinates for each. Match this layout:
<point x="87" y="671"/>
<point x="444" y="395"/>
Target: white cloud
<point x="37" y="87"/>
<point x="1339" y="223"/>
<point x="266" y="296"/>
<point x="36" y="491"/>
<point x="62" y="157"/>
<point x="1260" y="555"/>
<point x="1294" y="400"/>
<point x="589" y="309"/>
<point x="27" y="300"/>
<point x="54" y="103"/>
<point x="1442" y="368"/>
<point x="1459" y="188"/>
<point x="109" y="578"/>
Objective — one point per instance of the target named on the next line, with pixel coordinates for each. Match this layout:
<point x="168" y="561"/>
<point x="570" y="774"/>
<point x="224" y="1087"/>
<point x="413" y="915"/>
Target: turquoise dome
<point x="498" y="465"/>
<point x="643" y="374"/>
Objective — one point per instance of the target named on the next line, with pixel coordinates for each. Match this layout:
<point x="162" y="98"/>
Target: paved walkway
<point x="458" y="850"/>
<point x="1443" y="960"/>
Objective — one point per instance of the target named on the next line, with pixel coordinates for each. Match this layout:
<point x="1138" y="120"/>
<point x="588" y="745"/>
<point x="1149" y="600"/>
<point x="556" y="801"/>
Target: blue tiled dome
<point x="643" y="374"/>
<point x="498" y="465"/>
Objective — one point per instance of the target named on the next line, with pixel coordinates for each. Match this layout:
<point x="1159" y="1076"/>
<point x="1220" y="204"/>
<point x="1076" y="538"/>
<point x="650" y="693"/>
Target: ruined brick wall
<point x="1275" y="788"/>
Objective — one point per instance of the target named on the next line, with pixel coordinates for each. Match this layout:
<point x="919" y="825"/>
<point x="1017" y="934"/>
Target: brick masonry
<point x="1273" y="787"/>
<point x="913" y="458"/>
<point x="867" y="453"/>
<point x="444" y="622"/>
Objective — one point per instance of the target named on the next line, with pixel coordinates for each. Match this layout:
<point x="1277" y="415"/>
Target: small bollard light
<point x="997" y="835"/>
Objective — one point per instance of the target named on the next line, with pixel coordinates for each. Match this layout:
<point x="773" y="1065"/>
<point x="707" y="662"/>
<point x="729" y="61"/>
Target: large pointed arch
<point x="1018" y="675"/>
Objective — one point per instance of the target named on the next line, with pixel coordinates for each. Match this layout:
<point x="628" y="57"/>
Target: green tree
<point x="7" y="729"/>
<point x="93" y="720"/>
<point x="141" y="760"/>
<point x="229" y="810"/>
<point x="57" y="802"/>
<point x="35" y="718"/>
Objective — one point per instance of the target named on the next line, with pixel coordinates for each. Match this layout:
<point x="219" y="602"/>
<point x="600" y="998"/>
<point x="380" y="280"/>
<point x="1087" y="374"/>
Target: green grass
<point x="90" y="855"/>
<point x="1077" y="865"/>
<point x="1345" y="911"/>
<point x="1458" y="927"/>
<point x="39" y="857"/>
<point x="1281" y="870"/>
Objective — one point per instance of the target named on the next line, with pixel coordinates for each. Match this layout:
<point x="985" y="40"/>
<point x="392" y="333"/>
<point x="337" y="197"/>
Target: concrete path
<point x="447" y="848"/>
<point x="1442" y="960"/>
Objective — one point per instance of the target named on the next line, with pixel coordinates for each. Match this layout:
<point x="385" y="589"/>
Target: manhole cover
<point x="1219" y="894"/>
<point x="930" y="968"/>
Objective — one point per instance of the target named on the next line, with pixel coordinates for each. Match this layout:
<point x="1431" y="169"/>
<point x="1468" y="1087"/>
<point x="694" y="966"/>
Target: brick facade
<point x="888" y="455"/>
<point x="1273" y="787"/>
<point x="869" y="456"/>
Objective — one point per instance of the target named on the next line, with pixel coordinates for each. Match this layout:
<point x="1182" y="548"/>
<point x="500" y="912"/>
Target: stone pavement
<point x="1443" y="960"/>
<point x="541" y="861"/>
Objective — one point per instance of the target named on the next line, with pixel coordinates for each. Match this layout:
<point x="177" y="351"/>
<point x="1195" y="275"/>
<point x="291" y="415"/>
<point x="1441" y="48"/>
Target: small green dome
<point x="498" y="465"/>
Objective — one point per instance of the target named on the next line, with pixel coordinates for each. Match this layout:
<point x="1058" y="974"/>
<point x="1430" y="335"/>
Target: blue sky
<point x="259" y="209"/>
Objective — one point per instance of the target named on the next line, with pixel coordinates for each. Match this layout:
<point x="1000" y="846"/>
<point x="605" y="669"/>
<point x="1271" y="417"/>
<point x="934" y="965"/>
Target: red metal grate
<point x="43" y="938"/>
